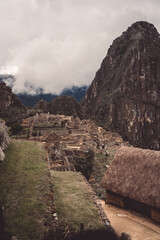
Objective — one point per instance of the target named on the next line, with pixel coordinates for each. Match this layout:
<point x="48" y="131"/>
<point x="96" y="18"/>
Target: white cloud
<point x="53" y="44"/>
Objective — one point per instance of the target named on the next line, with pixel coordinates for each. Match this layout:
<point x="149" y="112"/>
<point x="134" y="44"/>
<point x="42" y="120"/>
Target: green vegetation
<point x="66" y="105"/>
<point x="23" y="134"/>
<point x="84" y="163"/>
<point x="73" y="202"/>
<point x="100" y="162"/>
<point x="24" y="188"/>
<point x="16" y="129"/>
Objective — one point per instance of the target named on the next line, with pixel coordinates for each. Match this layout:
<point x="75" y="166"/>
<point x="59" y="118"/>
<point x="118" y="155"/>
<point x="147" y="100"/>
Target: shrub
<point x="84" y="163"/>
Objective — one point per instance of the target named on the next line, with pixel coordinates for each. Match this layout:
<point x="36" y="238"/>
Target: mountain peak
<point x="146" y="29"/>
<point x="137" y="31"/>
<point x="124" y="95"/>
<point x="139" y="25"/>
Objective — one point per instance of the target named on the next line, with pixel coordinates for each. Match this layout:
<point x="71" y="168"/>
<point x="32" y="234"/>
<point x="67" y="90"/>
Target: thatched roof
<point x="135" y="173"/>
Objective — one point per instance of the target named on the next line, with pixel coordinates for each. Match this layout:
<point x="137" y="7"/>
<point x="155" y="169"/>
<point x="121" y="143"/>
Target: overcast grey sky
<point x="54" y="44"/>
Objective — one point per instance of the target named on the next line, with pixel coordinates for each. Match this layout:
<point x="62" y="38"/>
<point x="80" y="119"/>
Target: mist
<point x="57" y="44"/>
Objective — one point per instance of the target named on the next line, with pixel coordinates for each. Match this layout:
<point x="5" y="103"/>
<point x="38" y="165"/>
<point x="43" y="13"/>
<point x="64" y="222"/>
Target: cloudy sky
<point x="54" y="44"/>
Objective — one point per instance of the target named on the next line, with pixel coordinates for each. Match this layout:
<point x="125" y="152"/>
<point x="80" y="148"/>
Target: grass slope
<point x="99" y="169"/>
<point x="24" y="186"/>
<point x="100" y="162"/>
<point x="73" y="201"/>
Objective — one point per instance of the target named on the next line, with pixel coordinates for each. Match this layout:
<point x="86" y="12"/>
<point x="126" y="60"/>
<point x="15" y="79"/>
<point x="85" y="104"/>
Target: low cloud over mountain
<point x="57" y="44"/>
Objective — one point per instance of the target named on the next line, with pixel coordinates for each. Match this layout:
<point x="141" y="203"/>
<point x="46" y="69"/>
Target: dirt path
<point x="138" y="227"/>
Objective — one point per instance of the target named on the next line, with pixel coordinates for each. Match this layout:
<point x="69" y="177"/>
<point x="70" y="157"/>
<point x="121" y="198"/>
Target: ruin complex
<point x="67" y="137"/>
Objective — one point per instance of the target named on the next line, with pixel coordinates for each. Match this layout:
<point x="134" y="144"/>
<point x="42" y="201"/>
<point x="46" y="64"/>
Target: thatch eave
<point x="135" y="173"/>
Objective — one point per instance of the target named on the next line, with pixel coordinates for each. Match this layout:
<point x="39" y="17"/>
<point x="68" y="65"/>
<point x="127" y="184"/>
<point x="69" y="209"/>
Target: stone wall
<point x="4" y="139"/>
<point x="75" y="134"/>
<point x="115" y="199"/>
<point x="96" y="201"/>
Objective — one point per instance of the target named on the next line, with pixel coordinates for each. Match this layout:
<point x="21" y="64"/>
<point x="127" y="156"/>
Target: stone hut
<point x="133" y="181"/>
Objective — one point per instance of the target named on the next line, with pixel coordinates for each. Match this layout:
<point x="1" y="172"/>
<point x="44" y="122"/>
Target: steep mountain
<point x="125" y="94"/>
<point x="66" y="105"/>
<point x="41" y="106"/>
<point x="11" y="108"/>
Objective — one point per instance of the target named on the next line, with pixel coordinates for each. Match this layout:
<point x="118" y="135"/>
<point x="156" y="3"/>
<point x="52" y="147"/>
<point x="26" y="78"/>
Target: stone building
<point x="133" y="181"/>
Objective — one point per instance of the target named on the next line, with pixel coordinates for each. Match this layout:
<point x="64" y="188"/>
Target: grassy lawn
<point x="24" y="187"/>
<point x="73" y="202"/>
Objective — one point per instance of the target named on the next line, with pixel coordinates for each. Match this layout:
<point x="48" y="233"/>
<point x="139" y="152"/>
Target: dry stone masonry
<point x="67" y="137"/>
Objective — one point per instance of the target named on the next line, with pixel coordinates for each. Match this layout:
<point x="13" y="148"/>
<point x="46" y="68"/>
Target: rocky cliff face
<point x="125" y="94"/>
<point x="11" y="108"/>
<point x="4" y="139"/>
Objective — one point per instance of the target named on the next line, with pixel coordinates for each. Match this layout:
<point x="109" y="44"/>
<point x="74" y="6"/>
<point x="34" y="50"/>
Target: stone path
<point x="137" y="226"/>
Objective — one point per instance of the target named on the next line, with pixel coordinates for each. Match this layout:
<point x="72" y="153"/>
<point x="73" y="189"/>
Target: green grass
<point x="99" y="168"/>
<point x="73" y="201"/>
<point x="100" y="162"/>
<point x="24" y="178"/>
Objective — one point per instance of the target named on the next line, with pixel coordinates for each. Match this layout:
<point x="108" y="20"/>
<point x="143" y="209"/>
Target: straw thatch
<point x="135" y="173"/>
